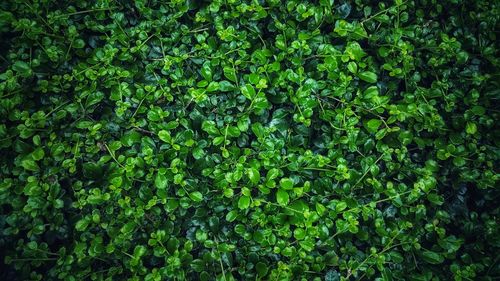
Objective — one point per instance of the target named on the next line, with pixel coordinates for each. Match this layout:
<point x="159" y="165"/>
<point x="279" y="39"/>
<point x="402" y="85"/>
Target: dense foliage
<point x="265" y="139"/>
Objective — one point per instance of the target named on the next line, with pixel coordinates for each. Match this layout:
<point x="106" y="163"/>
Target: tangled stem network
<point x="249" y="140"/>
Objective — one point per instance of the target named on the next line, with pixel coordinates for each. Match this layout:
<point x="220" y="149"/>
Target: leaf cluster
<point x="249" y="140"/>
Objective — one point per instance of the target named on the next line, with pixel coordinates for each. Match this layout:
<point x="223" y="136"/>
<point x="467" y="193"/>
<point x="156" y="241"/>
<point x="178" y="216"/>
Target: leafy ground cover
<point x="249" y="140"/>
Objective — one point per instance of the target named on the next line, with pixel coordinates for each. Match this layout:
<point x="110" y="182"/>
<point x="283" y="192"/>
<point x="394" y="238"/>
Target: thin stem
<point x="317" y="169"/>
<point x="7" y="138"/>
<point x="56" y="108"/>
<point x="220" y="261"/>
<point x="323" y="110"/>
<point x="381" y="12"/>
<point x="376" y="202"/>
<point x="388" y="247"/>
<point x="143" y="130"/>
<point x="278" y="205"/>
<point x="129" y="255"/>
<point x="225" y="136"/>
<point x="113" y="156"/>
<point x="199" y="30"/>
<point x="145" y="41"/>
<point x="85" y="12"/>
<point x="367" y="171"/>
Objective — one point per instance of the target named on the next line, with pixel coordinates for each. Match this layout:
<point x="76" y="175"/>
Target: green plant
<point x="260" y="140"/>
